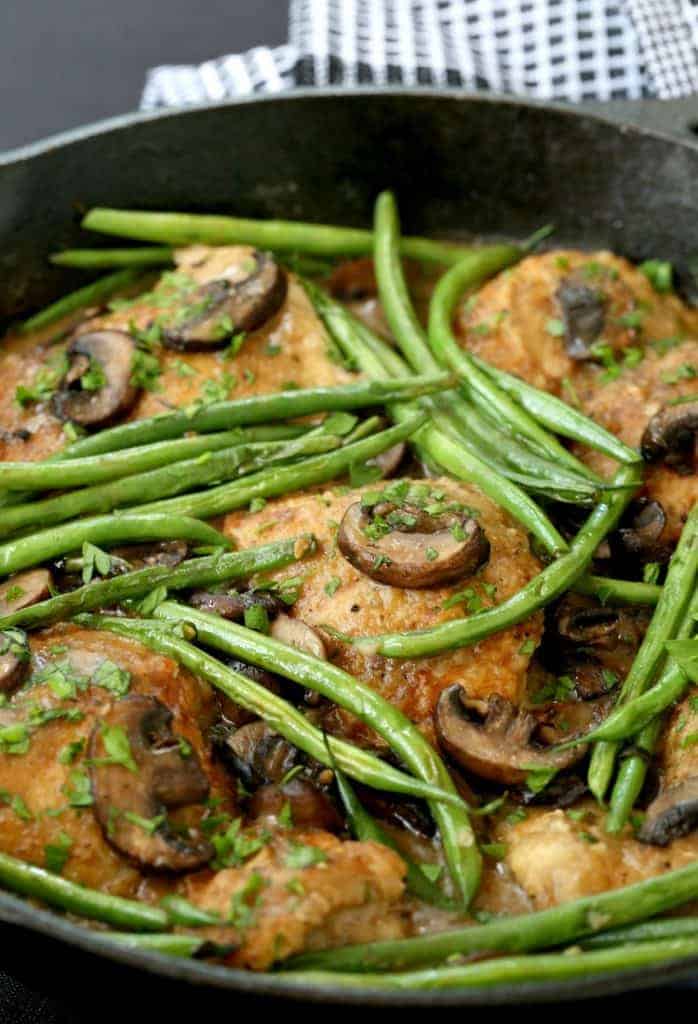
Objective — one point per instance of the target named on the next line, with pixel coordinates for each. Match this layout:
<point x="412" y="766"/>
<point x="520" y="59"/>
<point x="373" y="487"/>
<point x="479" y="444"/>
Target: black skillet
<point x="459" y="164"/>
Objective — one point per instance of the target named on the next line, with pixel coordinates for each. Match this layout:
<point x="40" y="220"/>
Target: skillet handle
<point x="677" y="117"/>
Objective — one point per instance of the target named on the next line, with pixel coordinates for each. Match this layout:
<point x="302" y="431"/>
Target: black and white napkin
<point x="549" y="49"/>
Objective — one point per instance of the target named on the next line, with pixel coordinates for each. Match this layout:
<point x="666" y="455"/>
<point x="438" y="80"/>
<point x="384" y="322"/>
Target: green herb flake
<point x="299" y="855"/>
<point x="555" y="327"/>
<point x="332" y="586"/>
<point x="56" y="854"/>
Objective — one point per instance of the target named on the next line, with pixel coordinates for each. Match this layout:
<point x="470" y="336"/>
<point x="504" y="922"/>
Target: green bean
<point x="47" y="476"/>
<point x="181" y="911"/>
<point x="39" y="884"/>
<point x="558" y="416"/>
<point x="677" y="590"/>
<point x="480" y="386"/>
<point x="194" y="572"/>
<point x="392" y="288"/>
<point x="257" y="409"/>
<point x="279" y="235"/>
<point x="134" y="528"/>
<point x="457" y="457"/>
<point x="368" y="706"/>
<point x="144" y="256"/>
<point x="167" y="942"/>
<point x="631" y="778"/>
<point x="648" y="931"/>
<point x="618" y="591"/>
<point x="557" y="926"/>
<point x="669" y="687"/>
<point x="91" y="295"/>
<point x="517" y="970"/>
<point x="549" y="584"/>
<point x="283" y="718"/>
<point x="157" y="484"/>
<point x="284" y="479"/>
<point x="367" y="829"/>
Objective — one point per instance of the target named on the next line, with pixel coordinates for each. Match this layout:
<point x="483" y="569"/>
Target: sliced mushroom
<point x="501" y="747"/>
<point x="235" y="714"/>
<point x="140" y="556"/>
<point x="24" y="589"/>
<point x="420" y="550"/>
<point x="639" y="536"/>
<point x="234" y="606"/>
<point x="672" y="814"/>
<point x="242" y="301"/>
<point x="309" y="805"/>
<point x="404" y="812"/>
<point x="14" y="660"/>
<point x="671" y="436"/>
<point x="113" y="352"/>
<point x="389" y="460"/>
<point x="131" y="805"/>
<point x="259" y="755"/>
<point x="583" y="311"/>
<point x="298" y="634"/>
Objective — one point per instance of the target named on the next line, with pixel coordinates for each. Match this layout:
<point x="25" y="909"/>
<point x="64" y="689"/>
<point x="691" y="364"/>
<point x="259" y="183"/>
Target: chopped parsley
<point x="299" y="855"/>
<point x="659" y="273"/>
<point x="113" y="678"/>
<point x="56" y="854"/>
<point x="332" y="586"/>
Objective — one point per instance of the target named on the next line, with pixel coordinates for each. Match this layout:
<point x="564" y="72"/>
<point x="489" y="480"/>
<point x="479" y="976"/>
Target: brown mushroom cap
<point x="639" y="535"/>
<point x="243" y="301"/>
<point x="113" y="351"/>
<point x="583" y="310"/>
<point x="499" y="748"/>
<point x="259" y="755"/>
<point x="298" y="634"/>
<point x="420" y="550"/>
<point x="310" y="806"/>
<point x="672" y="814"/>
<point x="14" y="660"/>
<point x="24" y="589"/>
<point x="131" y="805"/>
<point x="671" y="436"/>
<point x="234" y="606"/>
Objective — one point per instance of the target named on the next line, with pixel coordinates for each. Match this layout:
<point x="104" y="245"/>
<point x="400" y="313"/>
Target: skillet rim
<point x="21" y="912"/>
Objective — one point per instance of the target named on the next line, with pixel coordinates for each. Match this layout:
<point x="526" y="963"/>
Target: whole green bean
<point x="157" y="484"/>
<point x="279" y="235"/>
<point x="257" y="409"/>
<point x="522" y="970"/>
<point x="193" y="572"/>
<point x="267" y="483"/>
<point x="367" y="829"/>
<point x="392" y="288"/>
<point x="549" y="584"/>
<point x="281" y="716"/>
<point x="369" y="707"/>
<point x="631" y="778"/>
<point x="618" y="591"/>
<point x="557" y="926"/>
<point x="459" y="456"/>
<point x="144" y="256"/>
<point x="648" y="931"/>
<point x="127" y="528"/>
<point x="94" y="469"/>
<point x="92" y="294"/>
<point x="558" y="416"/>
<point x="39" y="884"/>
<point x="676" y="592"/>
<point x="169" y="943"/>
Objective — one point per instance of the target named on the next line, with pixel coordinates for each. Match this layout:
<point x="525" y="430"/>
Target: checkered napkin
<point x="550" y="49"/>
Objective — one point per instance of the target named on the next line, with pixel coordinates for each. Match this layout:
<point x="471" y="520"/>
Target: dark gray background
<point x="68" y="62"/>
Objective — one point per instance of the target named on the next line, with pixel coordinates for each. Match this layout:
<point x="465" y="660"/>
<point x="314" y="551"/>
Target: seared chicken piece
<point x="303" y="890"/>
<point x="540" y="318"/>
<point x="78" y="677"/>
<point x="557" y="855"/>
<point x="628" y="405"/>
<point x="337" y="595"/>
<point x="288" y="349"/>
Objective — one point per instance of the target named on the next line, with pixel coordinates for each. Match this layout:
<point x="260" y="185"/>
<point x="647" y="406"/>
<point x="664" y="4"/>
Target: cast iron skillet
<point x="459" y="164"/>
